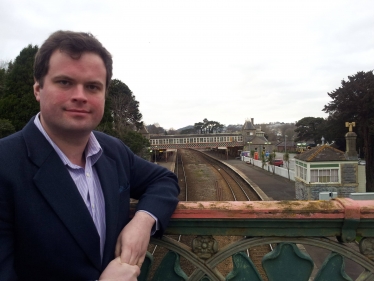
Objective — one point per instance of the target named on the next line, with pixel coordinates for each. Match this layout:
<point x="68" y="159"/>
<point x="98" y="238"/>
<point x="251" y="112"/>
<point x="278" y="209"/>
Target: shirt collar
<point x="93" y="149"/>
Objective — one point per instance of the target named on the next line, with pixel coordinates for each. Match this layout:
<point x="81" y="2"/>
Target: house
<point x="254" y="138"/>
<point x="327" y="169"/>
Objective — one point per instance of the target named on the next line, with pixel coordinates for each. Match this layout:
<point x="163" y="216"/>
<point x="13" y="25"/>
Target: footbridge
<point x="203" y="141"/>
<point x="229" y="144"/>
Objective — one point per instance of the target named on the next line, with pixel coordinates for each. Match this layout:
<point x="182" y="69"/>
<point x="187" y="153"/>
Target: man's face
<point x="73" y="95"/>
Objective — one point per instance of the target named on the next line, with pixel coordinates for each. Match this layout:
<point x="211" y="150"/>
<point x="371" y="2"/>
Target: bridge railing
<point x="285" y="225"/>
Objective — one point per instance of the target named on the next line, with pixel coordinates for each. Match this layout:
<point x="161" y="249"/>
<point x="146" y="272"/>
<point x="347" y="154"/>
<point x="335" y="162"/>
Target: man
<point x="64" y="189"/>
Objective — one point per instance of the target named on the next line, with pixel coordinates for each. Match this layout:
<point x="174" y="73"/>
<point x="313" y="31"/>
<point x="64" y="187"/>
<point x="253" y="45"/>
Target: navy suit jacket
<point x="46" y="231"/>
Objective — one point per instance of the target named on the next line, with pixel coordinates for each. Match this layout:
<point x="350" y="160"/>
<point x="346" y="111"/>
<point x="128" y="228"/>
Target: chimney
<point x="350" y="138"/>
<point x="252" y="121"/>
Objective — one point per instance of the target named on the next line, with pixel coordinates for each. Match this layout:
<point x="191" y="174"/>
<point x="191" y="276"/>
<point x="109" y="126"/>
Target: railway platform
<point x="169" y="162"/>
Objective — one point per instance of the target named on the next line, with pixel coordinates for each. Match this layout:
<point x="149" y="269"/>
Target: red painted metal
<point x="342" y="208"/>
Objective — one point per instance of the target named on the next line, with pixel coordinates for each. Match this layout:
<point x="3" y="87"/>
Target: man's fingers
<point x="130" y="257"/>
<point x="140" y="262"/>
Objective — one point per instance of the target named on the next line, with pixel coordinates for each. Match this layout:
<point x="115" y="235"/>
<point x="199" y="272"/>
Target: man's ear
<point x="37" y="89"/>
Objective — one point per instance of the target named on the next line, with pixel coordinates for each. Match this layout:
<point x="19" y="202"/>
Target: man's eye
<point x="93" y="87"/>
<point x="63" y="82"/>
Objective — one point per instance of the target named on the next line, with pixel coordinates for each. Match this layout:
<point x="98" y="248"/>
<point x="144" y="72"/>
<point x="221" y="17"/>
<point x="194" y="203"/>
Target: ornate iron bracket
<point x="204" y="246"/>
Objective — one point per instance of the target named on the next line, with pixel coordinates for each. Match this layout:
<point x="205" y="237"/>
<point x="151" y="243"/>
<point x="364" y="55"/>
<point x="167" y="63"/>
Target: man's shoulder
<point x="13" y="151"/>
<point x="11" y="140"/>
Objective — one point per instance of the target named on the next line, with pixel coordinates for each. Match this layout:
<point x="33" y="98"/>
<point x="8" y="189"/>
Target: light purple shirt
<point x="86" y="180"/>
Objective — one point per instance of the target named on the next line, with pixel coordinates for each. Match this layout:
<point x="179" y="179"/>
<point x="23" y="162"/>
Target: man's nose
<point x="79" y="94"/>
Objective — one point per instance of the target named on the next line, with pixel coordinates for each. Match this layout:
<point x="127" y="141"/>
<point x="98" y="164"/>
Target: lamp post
<point x="285" y="144"/>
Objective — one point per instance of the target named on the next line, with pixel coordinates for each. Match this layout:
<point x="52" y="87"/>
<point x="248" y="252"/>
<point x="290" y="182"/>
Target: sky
<point x="227" y="61"/>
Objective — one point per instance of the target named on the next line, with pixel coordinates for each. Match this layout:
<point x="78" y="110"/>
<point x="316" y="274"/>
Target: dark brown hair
<point x="74" y="44"/>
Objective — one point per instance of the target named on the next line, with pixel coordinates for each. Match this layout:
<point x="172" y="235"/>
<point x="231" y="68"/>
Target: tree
<point x="3" y="71"/>
<point x="270" y="159"/>
<point x="199" y="127"/>
<point x="123" y="106"/>
<point x="208" y="127"/>
<point x="309" y="128"/>
<point x="263" y="160"/>
<point x="187" y="131"/>
<point x="137" y="143"/>
<point x="122" y="118"/>
<point x="286" y="158"/>
<point x="172" y="131"/>
<point x="354" y="102"/>
<point x="6" y="128"/>
<point x="17" y="102"/>
<point x="155" y="129"/>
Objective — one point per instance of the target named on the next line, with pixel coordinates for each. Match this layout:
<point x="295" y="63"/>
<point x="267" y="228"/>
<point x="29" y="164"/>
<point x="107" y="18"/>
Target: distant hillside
<point x="185" y="128"/>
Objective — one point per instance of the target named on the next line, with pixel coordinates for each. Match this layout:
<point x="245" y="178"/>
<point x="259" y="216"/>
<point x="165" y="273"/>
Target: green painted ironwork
<point x="170" y="269"/>
<point x="333" y="269"/>
<point x="146" y="266"/>
<point x="280" y="264"/>
<point x="285" y="263"/>
<point x="285" y="225"/>
<point x="243" y="270"/>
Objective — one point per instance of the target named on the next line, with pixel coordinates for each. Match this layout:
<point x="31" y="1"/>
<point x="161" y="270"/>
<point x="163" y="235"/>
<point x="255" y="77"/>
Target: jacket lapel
<point x="57" y="187"/>
<point x="107" y="171"/>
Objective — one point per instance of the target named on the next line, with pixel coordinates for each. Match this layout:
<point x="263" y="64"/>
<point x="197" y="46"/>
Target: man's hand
<point x="134" y="238"/>
<point x="117" y="271"/>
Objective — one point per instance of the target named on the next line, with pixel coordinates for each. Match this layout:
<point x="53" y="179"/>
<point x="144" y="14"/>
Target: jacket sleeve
<point x="154" y="186"/>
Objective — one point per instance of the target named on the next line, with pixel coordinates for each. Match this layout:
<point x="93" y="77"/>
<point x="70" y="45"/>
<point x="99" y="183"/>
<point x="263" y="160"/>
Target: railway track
<point x="202" y="178"/>
<point x="227" y="186"/>
<point x="235" y="185"/>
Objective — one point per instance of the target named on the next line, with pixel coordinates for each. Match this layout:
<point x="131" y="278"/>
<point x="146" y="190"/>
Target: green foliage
<point x="17" y="102"/>
<point x="309" y="128"/>
<point x="208" y="127"/>
<point x="199" y="127"/>
<point x="155" y="129"/>
<point x="6" y="128"/>
<point x="271" y="158"/>
<point x="187" y="131"/>
<point x="286" y="158"/>
<point x="354" y="102"/>
<point x="2" y="81"/>
<point x="122" y="117"/>
<point x="263" y="159"/>
<point x="122" y="107"/>
<point x="135" y="141"/>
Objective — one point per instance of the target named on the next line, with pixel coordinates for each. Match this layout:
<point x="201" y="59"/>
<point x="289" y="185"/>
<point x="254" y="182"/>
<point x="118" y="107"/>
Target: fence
<point x="281" y="171"/>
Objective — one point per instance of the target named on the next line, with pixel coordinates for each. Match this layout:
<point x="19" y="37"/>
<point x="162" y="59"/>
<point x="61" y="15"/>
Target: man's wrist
<point x="155" y="225"/>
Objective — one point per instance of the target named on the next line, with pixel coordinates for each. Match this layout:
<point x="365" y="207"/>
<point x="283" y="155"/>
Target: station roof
<point x="258" y="140"/>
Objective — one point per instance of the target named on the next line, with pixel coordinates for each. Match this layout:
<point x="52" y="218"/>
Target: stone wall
<point x="311" y="192"/>
<point x="349" y="173"/>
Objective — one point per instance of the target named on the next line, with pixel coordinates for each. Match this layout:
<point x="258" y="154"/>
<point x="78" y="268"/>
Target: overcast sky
<point x="226" y="61"/>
